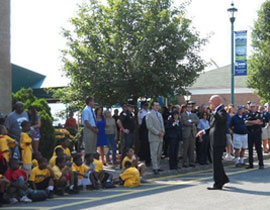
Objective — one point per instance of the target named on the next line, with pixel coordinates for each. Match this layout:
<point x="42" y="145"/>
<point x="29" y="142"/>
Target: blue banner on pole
<point x="240" y="53"/>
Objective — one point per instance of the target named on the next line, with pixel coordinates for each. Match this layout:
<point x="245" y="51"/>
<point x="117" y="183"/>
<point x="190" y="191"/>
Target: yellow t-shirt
<point x="5" y="143"/>
<point x="38" y="175"/>
<point x="57" y="172"/>
<point x="124" y="161"/>
<point x="34" y="163"/>
<point x="52" y="162"/>
<point x="80" y="169"/>
<point x="131" y="177"/>
<point x="66" y="151"/>
<point x="98" y="165"/>
<point x="26" y="145"/>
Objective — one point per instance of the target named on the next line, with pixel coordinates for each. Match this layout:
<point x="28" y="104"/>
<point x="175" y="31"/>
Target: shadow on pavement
<point x="251" y="192"/>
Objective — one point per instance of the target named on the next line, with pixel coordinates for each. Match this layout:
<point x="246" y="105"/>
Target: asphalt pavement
<point x="248" y="189"/>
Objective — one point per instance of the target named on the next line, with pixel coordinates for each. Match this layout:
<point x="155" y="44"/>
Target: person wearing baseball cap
<point x="240" y="136"/>
<point x="266" y="128"/>
<point x="254" y="122"/>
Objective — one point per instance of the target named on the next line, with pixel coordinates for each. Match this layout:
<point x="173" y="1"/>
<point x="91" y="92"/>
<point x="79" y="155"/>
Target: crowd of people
<point x="135" y="139"/>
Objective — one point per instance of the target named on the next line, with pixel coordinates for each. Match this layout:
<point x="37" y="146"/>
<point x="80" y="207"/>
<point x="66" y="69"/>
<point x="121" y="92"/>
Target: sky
<point x="36" y="39"/>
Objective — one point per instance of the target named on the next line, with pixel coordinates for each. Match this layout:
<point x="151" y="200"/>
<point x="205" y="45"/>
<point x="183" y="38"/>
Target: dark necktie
<point x="158" y="117"/>
<point x="93" y="114"/>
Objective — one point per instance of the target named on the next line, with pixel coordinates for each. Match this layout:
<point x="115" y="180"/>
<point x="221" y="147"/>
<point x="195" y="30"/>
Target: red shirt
<point x="71" y="122"/>
<point x="13" y="175"/>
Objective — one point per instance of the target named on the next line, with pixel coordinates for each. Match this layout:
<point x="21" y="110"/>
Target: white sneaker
<point x="13" y="200"/>
<point x="25" y="199"/>
<point x="229" y="157"/>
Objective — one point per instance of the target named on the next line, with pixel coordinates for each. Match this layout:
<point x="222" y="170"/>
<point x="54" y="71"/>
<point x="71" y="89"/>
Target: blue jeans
<point x="112" y="147"/>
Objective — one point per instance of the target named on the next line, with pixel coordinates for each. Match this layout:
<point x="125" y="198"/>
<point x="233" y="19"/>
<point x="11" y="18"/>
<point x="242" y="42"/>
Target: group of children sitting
<point x="35" y="179"/>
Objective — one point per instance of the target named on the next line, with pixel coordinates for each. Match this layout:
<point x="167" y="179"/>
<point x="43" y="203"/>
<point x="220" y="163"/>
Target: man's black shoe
<point x="261" y="167"/>
<point x="156" y="172"/>
<point x="214" y="188"/>
<point x="249" y="167"/>
<point x="192" y="165"/>
<point x="159" y="170"/>
<point x="185" y="166"/>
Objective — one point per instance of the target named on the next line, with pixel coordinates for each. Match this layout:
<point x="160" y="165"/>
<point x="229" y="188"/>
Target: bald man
<point x="217" y="134"/>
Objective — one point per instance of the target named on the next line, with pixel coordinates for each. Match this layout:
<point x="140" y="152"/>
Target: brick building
<point x="218" y="81"/>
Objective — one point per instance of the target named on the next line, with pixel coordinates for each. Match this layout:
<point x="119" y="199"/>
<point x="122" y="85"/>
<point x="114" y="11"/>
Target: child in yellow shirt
<point x="64" y="143"/>
<point x="36" y="155"/>
<point x="98" y="163"/>
<point x="41" y="177"/>
<point x="63" y="177"/>
<point x="26" y="146"/>
<point x="58" y="153"/>
<point x="134" y="162"/>
<point x="99" y="178"/>
<point x="6" y="143"/>
<point x="81" y="171"/>
<point x="131" y="176"/>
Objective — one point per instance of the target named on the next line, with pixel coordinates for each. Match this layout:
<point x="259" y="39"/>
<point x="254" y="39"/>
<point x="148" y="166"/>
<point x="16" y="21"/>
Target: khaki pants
<point x="156" y="152"/>
<point x="90" y="141"/>
<point x="188" y="151"/>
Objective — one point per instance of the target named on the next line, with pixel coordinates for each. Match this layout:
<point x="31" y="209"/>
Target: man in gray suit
<point x="155" y="125"/>
<point x="189" y="130"/>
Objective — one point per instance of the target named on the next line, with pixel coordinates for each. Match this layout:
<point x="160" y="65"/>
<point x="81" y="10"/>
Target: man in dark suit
<point x="217" y="134"/>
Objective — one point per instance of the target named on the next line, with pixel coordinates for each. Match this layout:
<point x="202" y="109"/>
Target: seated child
<point x="134" y="161"/>
<point x="64" y="143"/>
<point x="6" y="143"/>
<point x="26" y="146"/>
<point x="131" y="176"/>
<point x="80" y="171"/>
<point x="41" y="177"/>
<point x="98" y="163"/>
<point x="58" y="153"/>
<point x="98" y="176"/>
<point x="63" y="177"/>
<point x="18" y="189"/>
<point x="36" y="155"/>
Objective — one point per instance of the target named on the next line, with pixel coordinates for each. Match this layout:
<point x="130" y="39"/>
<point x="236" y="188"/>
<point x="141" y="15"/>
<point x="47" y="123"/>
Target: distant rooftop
<point x="25" y="78"/>
<point x="218" y="79"/>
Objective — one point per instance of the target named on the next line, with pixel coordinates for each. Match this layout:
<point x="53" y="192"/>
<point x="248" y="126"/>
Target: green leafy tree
<point x="47" y="141"/>
<point x="259" y="68"/>
<point x="126" y="49"/>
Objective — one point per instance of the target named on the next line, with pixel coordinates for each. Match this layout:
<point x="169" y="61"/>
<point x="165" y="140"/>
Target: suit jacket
<point x="218" y="127"/>
<point x="154" y="126"/>
<point x="174" y="131"/>
<point x="189" y="129"/>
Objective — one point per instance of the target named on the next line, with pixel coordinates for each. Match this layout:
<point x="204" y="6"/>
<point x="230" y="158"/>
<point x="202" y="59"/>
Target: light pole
<point x="187" y="97"/>
<point x="232" y="12"/>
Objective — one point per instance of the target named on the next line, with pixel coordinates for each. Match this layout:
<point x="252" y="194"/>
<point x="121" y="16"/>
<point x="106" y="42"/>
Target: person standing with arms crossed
<point x="90" y="127"/>
<point x="217" y="134"/>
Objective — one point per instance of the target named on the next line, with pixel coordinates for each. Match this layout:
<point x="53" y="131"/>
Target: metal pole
<point x="232" y="19"/>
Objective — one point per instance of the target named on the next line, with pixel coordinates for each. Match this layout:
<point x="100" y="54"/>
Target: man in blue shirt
<point x="240" y="136"/>
<point x="90" y="128"/>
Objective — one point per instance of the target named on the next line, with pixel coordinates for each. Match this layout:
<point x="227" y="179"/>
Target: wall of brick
<point x="5" y="65"/>
<point x="241" y="98"/>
